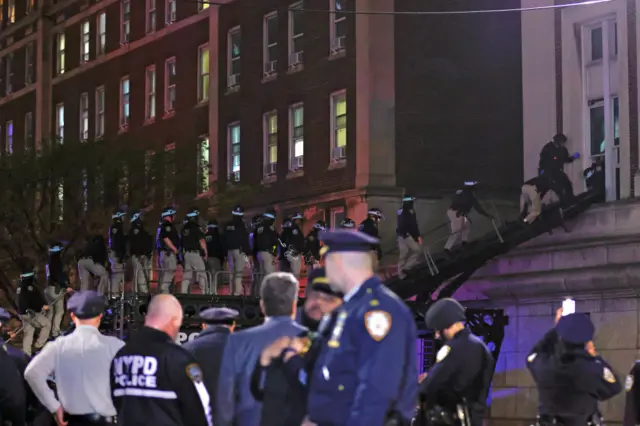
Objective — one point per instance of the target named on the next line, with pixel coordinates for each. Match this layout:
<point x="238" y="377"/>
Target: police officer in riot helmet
<point x="553" y="157"/>
<point x="463" y="201"/>
<point x="347" y="223"/>
<point x="295" y="242"/>
<point x="117" y="250"/>
<point x="266" y="246"/>
<point x="167" y="243"/>
<point x="32" y="306"/>
<point x="283" y="248"/>
<point x="370" y="226"/>
<point x="215" y="251"/>
<point x="236" y="238"/>
<point x="141" y="250"/>
<point x="194" y="252"/>
<point x="93" y="259"/>
<point x="57" y="285"/>
<point x="408" y="236"/>
<point x="595" y="178"/>
<point x="312" y="255"/>
<point x="255" y="282"/>
<point x="570" y="375"/>
<point x="459" y="381"/>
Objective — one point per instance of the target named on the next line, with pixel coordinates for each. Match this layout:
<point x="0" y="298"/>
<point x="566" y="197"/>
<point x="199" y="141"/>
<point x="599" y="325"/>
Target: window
<point x="596" y="43"/>
<point x="270" y="48"/>
<point x="125" y="31"/>
<point x="169" y="85"/>
<point x="59" y="204"/>
<point x="337" y="216"/>
<point x="101" y="39"/>
<point x="203" y="166"/>
<point x="338" y="28"/>
<point x="29" y="59"/>
<point x="11" y="11"/>
<point x="296" y="142"/>
<point x="31" y="6"/>
<point x="85" y="190"/>
<point x="169" y="170"/>
<point x="124" y="101"/>
<point x="202" y="6"/>
<point x="597" y="40"/>
<point x="60" y="122"/>
<point x="295" y="35"/>
<point x="8" y="140"/>
<point x="84" y="47"/>
<point x="233" y="135"/>
<point x="84" y="116"/>
<point x="270" y="135"/>
<point x="60" y="46"/>
<point x="150" y="90"/>
<point x="8" y="72"/>
<point x="170" y="11"/>
<point x="151" y="16"/>
<point x="28" y="131"/>
<point x="233" y="56"/>
<point x="100" y="112"/>
<point x="338" y="125"/>
<point x="203" y="73"/>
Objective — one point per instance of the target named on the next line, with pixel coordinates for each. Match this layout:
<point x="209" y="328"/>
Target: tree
<point x="68" y="191"/>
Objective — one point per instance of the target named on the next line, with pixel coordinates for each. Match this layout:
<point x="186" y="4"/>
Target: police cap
<point x="444" y="313"/>
<point x="219" y="316"/>
<point x="575" y="328"/>
<point x="4" y="315"/>
<point x="346" y="241"/>
<point x="317" y="281"/>
<point x="86" y="304"/>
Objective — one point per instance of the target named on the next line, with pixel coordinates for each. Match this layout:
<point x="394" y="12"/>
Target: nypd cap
<point x="219" y="315"/>
<point x="317" y="280"/>
<point x="4" y="315"/>
<point x="444" y="313"/>
<point x="575" y="328"/>
<point x="346" y="241"/>
<point x="86" y="304"/>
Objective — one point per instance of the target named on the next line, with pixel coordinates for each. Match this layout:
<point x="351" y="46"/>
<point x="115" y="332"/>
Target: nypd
<point x="294" y="241"/>
<point x="632" y="403"/>
<point x="32" y="307"/>
<point x="57" y="285"/>
<point x="408" y="236"/>
<point x="215" y="251"/>
<point x="194" y="252"/>
<point x="141" y="250"/>
<point x="265" y="242"/>
<point x="167" y="243"/>
<point x="117" y="251"/>
<point x="236" y="238"/>
<point x="370" y="227"/>
<point x="570" y="375"/>
<point x="463" y="201"/>
<point x="366" y="371"/>
<point x="347" y="223"/>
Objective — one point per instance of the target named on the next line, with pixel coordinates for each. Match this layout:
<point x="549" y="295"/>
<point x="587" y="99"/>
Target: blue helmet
<point x="167" y="212"/>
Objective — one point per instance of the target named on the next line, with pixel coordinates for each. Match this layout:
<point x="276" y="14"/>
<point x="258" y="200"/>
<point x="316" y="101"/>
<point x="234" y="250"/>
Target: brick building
<point x="322" y="112"/>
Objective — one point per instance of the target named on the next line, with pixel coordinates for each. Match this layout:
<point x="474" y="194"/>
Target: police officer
<point x="370" y="227"/>
<point x="141" y="251"/>
<point x="570" y="375"/>
<point x="117" y="251"/>
<point x="408" y="236"/>
<point x="92" y="260"/>
<point x="295" y="242"/>
<point x="215" y="252"/>
<point x="553" y="157"/>
<point x="13" y="393"/>
<point x="57" y="285"/>
<point x="312" y="255"/>
<point x="153" y="379"/>
<point x="80" y="362"/>
<point x="632" y="403"/>
<point x="283" y="248"/>
<point x="194" y="250"/>
<point x="533" y="192"/>
<point x="32" y="307"/>
<point x="369" y="356"/>
<point x="347" y="223"/>
<point x="463" y="201"/>
<point x="266" y="245"/>
<point x="167" y="243"/>
<point x="320" y="300"/>
<point x="255" y="273"/>
<point x="462" y="373"/>
<point x="208" y="347"/>
<point x="236" y="239"/>
<point x="594" y="175"/>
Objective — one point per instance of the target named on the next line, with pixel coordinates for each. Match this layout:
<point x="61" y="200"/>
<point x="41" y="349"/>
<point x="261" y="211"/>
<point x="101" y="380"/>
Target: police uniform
<point x="461" y="376"/>
<point x="256" y="278"/>
<point x="141" y="250"/>
<point x="208" y="347"/>
<point x="553" y="157"/>
<point x="370" y="227"/>
<point x="570" y="381"/>
<point x="461" y="205"/>
<point x="57" y="285"/>
<point x="92" y="261"/>
<point x="13" y="393"/>
<point x="594" y="176"/>
<point x="168" y="257"/>
<point x="80" y="363"/>
<point x="632" y="403"/>
<point x="535" y="193"/>
<point x="31" y="306"/>
<point x="117" y="251"/>
<point x="366" y="371"/>
<point x="156" y="382"/>
<point x="283" y="248"/>
<point x="294" y="241"/>
<point x="266" y="244"/>
<point x="408" y="236"/>
<point x="192" y="243"/>
<point x="348" y="223"/>
<point x="215" y="252"/>
<point x="236" y="239"/>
